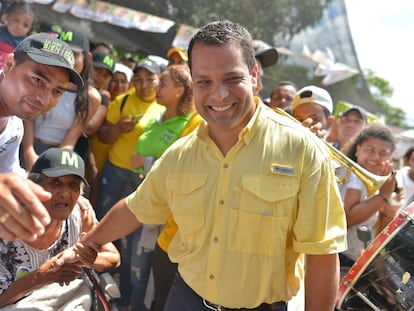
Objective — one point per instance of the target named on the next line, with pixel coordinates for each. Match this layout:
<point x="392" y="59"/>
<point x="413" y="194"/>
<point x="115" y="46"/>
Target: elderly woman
<point x="29" y="265"/>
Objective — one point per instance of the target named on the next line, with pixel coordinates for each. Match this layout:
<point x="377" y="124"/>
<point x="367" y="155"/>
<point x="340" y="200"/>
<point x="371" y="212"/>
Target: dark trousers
<point x="164" y="272"/>
<point x="183" y="298"/>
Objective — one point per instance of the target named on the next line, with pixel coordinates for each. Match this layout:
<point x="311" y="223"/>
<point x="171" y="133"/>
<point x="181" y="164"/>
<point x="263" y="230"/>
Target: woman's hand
<point x="137" y="160"/>
<point x="388" y="187"/>
<point x="50" y="272"/>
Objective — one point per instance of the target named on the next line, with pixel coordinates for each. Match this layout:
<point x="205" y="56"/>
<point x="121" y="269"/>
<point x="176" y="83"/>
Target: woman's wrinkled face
<point x="65" y="192"/>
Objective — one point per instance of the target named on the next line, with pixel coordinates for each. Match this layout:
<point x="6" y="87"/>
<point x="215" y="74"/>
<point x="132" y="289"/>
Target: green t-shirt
<point x="158" y="136"/>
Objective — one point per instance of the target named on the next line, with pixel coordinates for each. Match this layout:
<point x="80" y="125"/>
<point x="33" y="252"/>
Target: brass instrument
<point x="371" y="181"/>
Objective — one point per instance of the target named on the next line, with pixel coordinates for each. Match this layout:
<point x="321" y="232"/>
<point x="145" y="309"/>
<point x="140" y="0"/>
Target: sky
<point x="383" y="32"/>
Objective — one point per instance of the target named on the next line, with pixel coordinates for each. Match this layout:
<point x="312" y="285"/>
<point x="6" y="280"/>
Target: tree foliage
<point x="265" y="19"/>
<point x="381" y="91"/>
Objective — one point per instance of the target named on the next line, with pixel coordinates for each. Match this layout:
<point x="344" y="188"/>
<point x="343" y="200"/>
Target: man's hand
<point x="22" y="214"/>
<point x="315" y="127"/>
<point x="78" y="253"/>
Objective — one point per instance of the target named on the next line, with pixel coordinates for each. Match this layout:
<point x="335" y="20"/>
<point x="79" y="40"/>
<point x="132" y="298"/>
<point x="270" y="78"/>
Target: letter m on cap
<point x="69" y="158"/>
<point x="66" y="36"/>
<point x="109" y="61"/>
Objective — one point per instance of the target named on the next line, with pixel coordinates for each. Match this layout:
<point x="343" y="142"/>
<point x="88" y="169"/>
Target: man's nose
<point x="44" y="98"/>
<point x="219" y="92"/>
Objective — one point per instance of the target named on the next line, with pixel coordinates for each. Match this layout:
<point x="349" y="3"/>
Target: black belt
<point x="262" y="307"/>
<point x="213" y="306"/>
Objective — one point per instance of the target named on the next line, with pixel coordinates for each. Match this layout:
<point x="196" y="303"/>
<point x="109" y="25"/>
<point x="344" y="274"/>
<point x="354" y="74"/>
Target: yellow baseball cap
<point x="180" y="51"/>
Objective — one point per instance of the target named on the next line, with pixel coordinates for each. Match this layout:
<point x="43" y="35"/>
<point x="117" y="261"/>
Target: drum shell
<point x="383" y="276"/>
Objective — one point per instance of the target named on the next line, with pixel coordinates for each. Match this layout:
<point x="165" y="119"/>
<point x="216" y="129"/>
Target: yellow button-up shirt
<point x="244" y="219"/>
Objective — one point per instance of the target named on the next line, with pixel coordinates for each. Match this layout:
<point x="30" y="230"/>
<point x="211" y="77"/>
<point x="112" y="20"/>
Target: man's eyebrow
<point x="41" y="74"/>
<point x="224" y="75"/>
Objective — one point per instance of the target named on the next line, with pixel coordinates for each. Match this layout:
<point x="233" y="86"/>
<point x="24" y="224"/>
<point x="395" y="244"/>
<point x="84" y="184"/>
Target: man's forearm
<point x="321" y="282"/>
<point x="117" y="223"/>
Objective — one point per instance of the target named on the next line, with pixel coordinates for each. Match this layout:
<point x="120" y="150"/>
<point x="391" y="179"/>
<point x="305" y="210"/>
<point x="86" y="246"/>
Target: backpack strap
<point x="124" y="99"/>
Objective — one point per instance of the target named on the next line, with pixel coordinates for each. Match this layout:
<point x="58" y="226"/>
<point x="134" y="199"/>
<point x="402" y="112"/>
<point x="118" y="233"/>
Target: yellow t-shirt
<point x="124" y="146"/>
<point x="249" y="215"/>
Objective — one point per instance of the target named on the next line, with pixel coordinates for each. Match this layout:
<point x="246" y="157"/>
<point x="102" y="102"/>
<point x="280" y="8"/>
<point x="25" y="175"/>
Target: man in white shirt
<point x="34" y="76"/>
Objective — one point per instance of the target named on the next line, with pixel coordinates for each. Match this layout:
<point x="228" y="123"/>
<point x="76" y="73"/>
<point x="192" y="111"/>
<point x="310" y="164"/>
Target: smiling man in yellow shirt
<point x="250" y="190"/>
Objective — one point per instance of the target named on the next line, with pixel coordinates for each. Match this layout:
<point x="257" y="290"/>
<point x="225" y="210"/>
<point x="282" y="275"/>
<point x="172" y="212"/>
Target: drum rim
<point x="372" y="251"/>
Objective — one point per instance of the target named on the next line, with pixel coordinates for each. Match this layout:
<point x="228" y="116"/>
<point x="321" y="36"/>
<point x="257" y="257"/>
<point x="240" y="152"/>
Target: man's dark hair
<point x="223" y="32"/>
<point x="283" y="83"/>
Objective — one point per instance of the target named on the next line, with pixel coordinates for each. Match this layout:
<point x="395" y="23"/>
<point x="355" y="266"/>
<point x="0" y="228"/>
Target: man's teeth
<point x="220" y="108"/>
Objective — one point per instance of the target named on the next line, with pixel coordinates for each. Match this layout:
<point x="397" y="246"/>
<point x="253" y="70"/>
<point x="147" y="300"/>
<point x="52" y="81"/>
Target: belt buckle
<point x="212" y="307"/>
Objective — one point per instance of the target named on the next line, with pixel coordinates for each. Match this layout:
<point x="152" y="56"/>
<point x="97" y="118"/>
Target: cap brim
<point x="361" y="112"/>
<point x="149" y="68"/>
<point x="76" y="48"/>
<point x="74" y="77"/>
<point x="58" y="172"/>
<point x="100" y="65"/>
<point x="267" y="57"/>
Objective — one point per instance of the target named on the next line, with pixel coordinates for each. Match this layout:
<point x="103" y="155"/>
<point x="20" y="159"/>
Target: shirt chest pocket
<point x="187" y="197"/>
<point x="268" y="195"/>
<point x="261" y="223"/>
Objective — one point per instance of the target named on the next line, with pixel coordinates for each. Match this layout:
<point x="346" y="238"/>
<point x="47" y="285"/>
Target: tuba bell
<point x="371" y="181"/>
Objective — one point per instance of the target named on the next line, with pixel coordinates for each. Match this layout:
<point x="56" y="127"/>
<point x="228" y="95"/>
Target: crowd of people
<point x="214" y="198"/>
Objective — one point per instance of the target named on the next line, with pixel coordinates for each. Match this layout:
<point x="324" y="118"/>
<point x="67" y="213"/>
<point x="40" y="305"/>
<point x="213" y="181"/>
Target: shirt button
<point x="211" y="276"/>
<point x="215" y="239"/>
<point x="221" y="202"/>
<point x="225" y="165"/>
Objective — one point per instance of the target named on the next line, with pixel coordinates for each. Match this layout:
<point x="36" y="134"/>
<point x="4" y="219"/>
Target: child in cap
<point x="19" y="19"/>
<point x="349" y="124"/>
<point x="103" y="65"/>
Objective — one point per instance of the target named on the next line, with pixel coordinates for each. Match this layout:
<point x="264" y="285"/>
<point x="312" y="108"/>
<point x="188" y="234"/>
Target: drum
<point x="382" y="278"/>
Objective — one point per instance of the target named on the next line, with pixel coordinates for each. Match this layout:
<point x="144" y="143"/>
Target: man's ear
<point x="9" y="63"/>
<point x="255" y="76"/>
